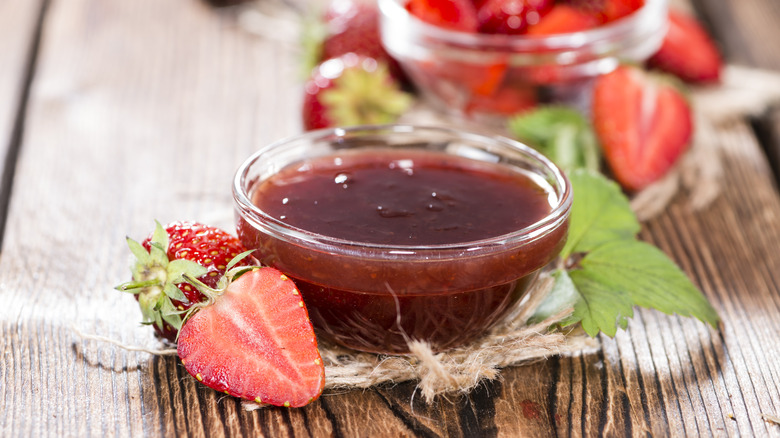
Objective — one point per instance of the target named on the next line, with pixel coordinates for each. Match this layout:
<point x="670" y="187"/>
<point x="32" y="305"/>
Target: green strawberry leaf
<point x="362" y="97"/>
<point x="141" y="254"/>
<point x="619" y="275"/>
<point x="563" y="295"/>
<point x="148" y="304"/>
<point x="610" y="271"/>
<point x="313" y="34"/>
<point x="649" y="278"/>
<point x="158" y="245"/>
<point x="160" y="236"/>
<point x="600" y="307"/>
<point x="173" y="292"/>
<point x="158" y="254"/>
<point x="170" y="314"/>
<point x="562" y="134"/>
<point x="177" y="269"/>
<point x="600" y="213"/>
<point x="237" y="259"/>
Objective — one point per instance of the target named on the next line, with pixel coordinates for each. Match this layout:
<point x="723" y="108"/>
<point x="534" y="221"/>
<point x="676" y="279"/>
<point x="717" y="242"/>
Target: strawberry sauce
<point x="409" y="199"/>
<point x="373" y="297"/>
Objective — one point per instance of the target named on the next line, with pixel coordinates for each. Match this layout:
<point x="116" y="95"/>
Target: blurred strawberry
<point x="563" y="19"/>
<point x="352" y="90"/>
<point x="606" y="10"/>
<point x="510" y="16"/>
<point x="644" y="125"/>
<point x="351" y="26"/>
<point x="504" y="102"/>
<point x="617" y="9"/>
<point x="451" y="14"/>
<point x="688" y="52"/>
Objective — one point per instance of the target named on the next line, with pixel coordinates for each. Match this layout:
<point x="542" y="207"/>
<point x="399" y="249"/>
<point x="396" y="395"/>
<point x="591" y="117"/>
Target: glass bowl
<point x="375" y="296"/>
<point x="488" y="77"/>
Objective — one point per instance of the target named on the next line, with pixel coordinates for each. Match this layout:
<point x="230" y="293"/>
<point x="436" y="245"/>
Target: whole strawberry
<point x="511" y="16"/>
<point x="162" y="260"/>
<point x="605" y="11"/>
<point x="460" y="15"/>
<point x="351" y="90"/>
<point x="564" y="18"/>
<point x="352" y="26"/>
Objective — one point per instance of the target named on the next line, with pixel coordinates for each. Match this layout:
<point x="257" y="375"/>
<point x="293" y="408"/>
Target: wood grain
<point x="143" y="109"/>
<point x="18" y="21"/>
<point x="19" y="34"/>
<point x="745" y="32"/>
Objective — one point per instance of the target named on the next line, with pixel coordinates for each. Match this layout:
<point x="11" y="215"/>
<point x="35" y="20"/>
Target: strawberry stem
<point x="133" y="286"/>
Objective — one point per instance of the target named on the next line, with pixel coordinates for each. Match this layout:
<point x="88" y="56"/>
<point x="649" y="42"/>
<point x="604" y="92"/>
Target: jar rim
<point x="249" y="211"/>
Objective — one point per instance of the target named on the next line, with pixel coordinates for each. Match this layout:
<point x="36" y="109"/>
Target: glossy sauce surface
<point x="403" y="198"/>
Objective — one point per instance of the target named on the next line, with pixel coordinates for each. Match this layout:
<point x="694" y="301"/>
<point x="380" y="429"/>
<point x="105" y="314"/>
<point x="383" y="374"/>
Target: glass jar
<point x="487" y="77"/>
<point x="376" y="296"/>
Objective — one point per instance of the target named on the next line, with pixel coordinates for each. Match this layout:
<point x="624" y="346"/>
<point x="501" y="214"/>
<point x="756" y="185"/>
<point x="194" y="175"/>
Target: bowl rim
<point x="279" y="229"/>
<point x="615" y="30"/>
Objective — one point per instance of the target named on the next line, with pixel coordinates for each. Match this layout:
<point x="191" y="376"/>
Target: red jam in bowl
<point x="389" y="242"/>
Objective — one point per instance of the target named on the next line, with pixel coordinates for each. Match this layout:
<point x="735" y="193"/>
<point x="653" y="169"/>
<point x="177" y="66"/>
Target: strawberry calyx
<point x="364" y="93"/>
<point x="212" y="294"/>
<point x="155" y="280"/>
<point x="315" y="31"/>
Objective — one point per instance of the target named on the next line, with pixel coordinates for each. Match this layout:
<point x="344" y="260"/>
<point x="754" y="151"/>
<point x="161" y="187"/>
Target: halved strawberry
<point x="451" y="14"/>
<point x="511" y="16"/>
<point x="351" y="90"/>
<point x="644" y="125"/>
<point x="254" y="340"/>
<point x="199" y="250"/>
<point x="563" y="19"/>
<point x="687" y="51"/>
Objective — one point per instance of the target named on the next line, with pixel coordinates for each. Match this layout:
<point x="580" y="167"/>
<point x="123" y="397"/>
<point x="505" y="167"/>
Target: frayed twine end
<point x="122" y="345"/>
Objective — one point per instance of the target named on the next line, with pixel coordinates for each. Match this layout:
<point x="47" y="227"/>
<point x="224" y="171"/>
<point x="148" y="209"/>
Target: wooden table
<point x="114" y="113"/>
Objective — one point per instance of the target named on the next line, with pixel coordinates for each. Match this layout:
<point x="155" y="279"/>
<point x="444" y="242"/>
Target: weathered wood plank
<point x="142" y="109"/>
<point x="744" y="30"/>
<point x="19" y="27"/>
<point x="746" y="33"/>
<point x="734" y="267"/>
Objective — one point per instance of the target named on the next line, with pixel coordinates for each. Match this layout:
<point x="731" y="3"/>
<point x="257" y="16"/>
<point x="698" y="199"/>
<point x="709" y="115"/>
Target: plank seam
<point x="17" y="132"/>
